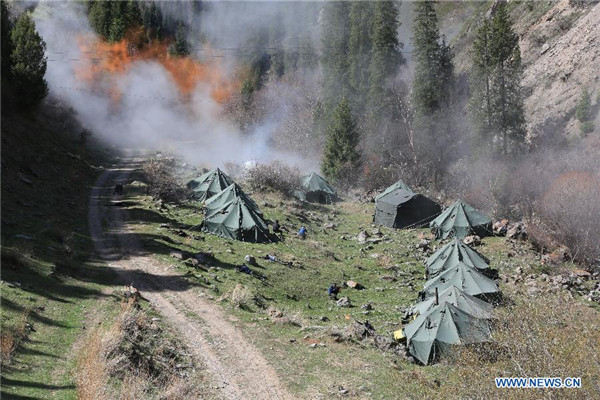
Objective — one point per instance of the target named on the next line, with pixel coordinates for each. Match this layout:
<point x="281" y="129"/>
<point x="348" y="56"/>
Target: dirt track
<point x="238" y="369"/>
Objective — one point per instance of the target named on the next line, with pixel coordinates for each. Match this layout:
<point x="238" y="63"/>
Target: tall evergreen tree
<point x="359" y="50"/>
<point x="180" y="47"/>
<point x="496" y="97"/>
<point x="335" y="63"/>
<point x="433" y="64"/>
<point x="433" y="125"/>
<point x="28" y="62"/>
<point x="7" y="45"/>
<point x="111" y="19"/>
<point x="386" y="57"/>
<point x="340" y="157"/>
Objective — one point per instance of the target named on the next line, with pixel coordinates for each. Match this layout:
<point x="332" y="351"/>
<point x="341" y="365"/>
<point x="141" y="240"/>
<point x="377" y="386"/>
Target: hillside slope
<point x="560" y="47"/>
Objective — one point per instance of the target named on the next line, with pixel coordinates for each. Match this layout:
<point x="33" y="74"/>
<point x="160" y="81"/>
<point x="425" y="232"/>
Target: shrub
<point x="242" y="297"/>
<point x="586" y="127"/>
<point x="162" y="183"/>
<point x="571" y="211"/>
<point x="274" y="175"/>
<point x="583" y="109"/>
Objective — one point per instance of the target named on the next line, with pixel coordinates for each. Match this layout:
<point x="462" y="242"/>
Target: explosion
<point x="103" y="62"/>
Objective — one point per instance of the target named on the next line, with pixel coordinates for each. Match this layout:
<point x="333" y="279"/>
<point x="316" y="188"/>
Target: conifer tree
<point x="28" y="62"/>
<point x="340" y="157"/>
<point x="433" y="64"/>
<point x="7" y="45"/>
<point x="359" y="50"/>
<point x="179" y="47"/>
<point x="434" y="135"/>
<point x="336" y="82"/>
<point x="496" y="98"/>
<point x="386" y="57"/>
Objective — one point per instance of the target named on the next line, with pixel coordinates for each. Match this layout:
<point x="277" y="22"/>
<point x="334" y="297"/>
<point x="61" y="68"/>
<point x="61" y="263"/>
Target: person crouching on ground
<point x="333" y="291"/>
<point x="302" y="233"/>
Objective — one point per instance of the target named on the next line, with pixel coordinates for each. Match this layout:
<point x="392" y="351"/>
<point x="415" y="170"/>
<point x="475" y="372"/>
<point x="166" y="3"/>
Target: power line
<point x="125" y="94"/>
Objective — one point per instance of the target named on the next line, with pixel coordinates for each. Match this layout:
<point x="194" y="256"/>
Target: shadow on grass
<point x="14" y="382"/>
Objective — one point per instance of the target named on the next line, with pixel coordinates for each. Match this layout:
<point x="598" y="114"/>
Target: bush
<point x="583" y="109"/>
<point x="586" y="127"/>
<point x="162" y="183"/>
<point x="274" y="175"/>
<point x="571" y="211"/>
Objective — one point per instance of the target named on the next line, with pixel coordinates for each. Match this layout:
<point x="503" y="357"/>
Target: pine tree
<point x="111" y="19"/>
<point x="335" y="63"/>
<point x="496" y="98"/>
<point x="28" y="62"/>
<point x="180" y="47"/>
<point x="385" y="60"/>
<point x="340" y="157"/>
<point x="434" y="135"/>
<point x="359" y="50"/>
<point x="431" y="60"/>
<point x="7" y="45"/>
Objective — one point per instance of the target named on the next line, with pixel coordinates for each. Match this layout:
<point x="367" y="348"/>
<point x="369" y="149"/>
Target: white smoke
<point x="149" y="113"/>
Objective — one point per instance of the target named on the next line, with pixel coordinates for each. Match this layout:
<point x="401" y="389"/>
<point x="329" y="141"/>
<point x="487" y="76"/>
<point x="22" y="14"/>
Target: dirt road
<point x="238" y="369"/>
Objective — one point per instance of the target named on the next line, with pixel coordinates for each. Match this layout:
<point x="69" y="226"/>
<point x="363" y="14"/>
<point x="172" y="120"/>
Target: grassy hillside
<point x="301" y="330"/>
<point x="50" y="282"/>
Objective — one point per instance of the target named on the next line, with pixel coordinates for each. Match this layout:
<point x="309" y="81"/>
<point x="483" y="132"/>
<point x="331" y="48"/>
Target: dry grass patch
<point x="551" y="337"/>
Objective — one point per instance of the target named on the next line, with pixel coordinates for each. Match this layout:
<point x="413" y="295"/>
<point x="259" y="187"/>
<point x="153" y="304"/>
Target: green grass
<point x="51" y="282"/>
<point x="392" y="273"/>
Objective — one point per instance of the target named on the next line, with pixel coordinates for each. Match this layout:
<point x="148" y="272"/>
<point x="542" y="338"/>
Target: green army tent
<point x="315" y="189"/>
<point x="460" y="220"/>
<point x="453" y="295"/>
<point x="397" y="185"/>
<point x="451" y="254"/>
<point x="401" y="208"/>
<point x="209" y="184"/>
<point x="431" y="334"/>
<point x="227" y="195"/>
<point x="464" y="277"/>
<point x="237" y="220"/>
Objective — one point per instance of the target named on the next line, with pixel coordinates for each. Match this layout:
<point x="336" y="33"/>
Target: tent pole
<point x="437" y="298"/>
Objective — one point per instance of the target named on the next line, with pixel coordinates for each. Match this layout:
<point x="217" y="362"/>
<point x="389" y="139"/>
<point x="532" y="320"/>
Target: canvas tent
<point x="237" y="220"/>
<point x="402" y="208"/>
<point x="460" y="220"/>
<point x="464" y="277"/>
<point x="227" y="195"/>
<point x="209" y="184"/>
<point x="453" y="253"/>
<point x="315" y="189"/>
<point x="398" y="185"/>
<point x="453" y="295"/>
<point x="431" y="334"/>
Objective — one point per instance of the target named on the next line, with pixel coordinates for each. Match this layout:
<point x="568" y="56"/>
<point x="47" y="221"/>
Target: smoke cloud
<point x="149" y="101"/>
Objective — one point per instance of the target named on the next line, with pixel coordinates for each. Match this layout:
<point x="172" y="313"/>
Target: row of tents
<point x="453" y="309"/>
<point x="399" y="207"/>
<point x="232" y="214"/>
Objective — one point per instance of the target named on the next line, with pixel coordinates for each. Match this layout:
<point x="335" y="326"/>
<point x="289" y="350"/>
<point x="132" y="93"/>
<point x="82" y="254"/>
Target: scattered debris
<point x="472" y="240"/>
<point x="344" y="302"/>
<point x="362" y="236"/>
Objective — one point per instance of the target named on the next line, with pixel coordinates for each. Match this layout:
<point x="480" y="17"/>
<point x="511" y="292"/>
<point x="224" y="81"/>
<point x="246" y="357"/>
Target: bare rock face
<point x="557" y="70"/>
